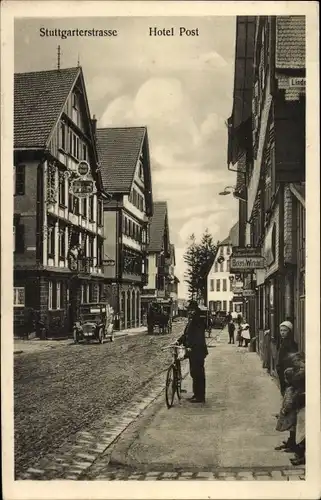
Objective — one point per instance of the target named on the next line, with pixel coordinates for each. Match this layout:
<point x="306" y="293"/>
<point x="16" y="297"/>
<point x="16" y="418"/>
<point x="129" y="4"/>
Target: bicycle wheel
<point x="178" y="376"/>
<point x="170" y="386"/>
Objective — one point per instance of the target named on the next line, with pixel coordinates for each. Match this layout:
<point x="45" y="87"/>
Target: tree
<point x="199" y="258"/>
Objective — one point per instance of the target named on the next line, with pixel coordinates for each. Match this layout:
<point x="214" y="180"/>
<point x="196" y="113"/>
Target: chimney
<point x="94" y="125"/>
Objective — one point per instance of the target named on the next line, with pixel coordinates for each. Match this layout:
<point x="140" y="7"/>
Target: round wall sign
<point x="83" y="168"/>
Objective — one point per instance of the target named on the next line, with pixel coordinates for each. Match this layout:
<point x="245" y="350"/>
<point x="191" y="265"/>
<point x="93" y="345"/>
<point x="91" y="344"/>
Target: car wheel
<point x="101" y="336"/>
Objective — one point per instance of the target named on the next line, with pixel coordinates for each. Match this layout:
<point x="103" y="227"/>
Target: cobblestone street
<point x="80" y="398"/>
<point x="141" y="439"/>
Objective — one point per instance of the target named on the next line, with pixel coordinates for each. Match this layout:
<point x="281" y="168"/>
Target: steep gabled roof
<point x="118" y="151"/>
<point x="232" y="238"/>
<point x="39" y="98"/>
<point x="157" y="226"/>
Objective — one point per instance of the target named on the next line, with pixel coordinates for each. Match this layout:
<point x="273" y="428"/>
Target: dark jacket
<point x="194" y="336"/>
<point x="287" y="347"/>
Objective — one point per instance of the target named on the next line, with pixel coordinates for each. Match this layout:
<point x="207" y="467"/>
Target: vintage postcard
<point x="160" y="292"/>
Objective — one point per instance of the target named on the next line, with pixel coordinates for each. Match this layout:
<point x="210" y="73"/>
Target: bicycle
<point x="174" y="375"/>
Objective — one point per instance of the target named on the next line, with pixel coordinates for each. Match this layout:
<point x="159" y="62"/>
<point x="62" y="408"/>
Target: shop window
<point x="19" y="179"/>
<point x="212" y="285"/>
<point x="19" y="296"/>
<point x="218" y="285"/>
<point x="55" y="290"/>
<point x="224" y="305"/>
<point x="231" y="306"/>
<point x="224" y="285"/>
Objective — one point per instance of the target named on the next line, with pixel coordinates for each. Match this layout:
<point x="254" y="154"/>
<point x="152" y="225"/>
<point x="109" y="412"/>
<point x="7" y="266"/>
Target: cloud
<point x="218" y="224"/>
<point x="119" y="112"/>
<point x="213" y="60"/>
<point x="101" y="85"/>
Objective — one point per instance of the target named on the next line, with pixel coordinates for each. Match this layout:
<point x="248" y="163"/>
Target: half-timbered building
<point x="52" y="133"/>
<point x="126" y="174"/>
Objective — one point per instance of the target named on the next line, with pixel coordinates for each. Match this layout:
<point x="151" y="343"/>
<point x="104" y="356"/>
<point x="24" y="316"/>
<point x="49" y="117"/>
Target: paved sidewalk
<point x="36" y="345"/>
<point x="234" y="429"/>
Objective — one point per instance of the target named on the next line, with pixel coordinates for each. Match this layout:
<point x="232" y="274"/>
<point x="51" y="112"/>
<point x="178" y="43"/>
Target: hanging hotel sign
<point x="83" y="168"/>
<point x="246" y="259"/>
<point x="82" y="187"/>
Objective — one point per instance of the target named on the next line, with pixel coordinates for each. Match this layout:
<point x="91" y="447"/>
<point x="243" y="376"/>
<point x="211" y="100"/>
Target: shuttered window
<point x="20" y="179"/>
<point x="19" y="243"/>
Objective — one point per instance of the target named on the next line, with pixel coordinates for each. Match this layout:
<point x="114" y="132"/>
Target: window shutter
<point x="20" y="179"/>
<point x="20" y="238"/>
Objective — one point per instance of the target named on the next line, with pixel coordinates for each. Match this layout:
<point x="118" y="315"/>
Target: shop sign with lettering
<point x="246" y="259"/>
<point x="239" y="264"/>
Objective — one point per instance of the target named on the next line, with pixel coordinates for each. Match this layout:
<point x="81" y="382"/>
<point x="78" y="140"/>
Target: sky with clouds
<point x="179" y="87"/>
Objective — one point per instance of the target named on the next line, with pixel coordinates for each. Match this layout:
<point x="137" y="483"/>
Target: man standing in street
<point x="193" y="339"/>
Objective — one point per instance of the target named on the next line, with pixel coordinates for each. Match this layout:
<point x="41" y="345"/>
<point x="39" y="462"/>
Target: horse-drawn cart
<point x="96" y="322"/>
<point x="160" y="315"/>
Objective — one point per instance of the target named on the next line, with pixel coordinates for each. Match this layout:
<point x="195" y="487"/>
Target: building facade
<point x="267" y="150"/>
<point x="52" y="134"/>
<point x="162" y="283"/>
<point x="222" y="286"/>
<point x="126" y="175"/>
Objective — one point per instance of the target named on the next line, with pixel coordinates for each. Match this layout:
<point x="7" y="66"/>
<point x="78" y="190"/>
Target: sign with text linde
<point x="246" y="259"/>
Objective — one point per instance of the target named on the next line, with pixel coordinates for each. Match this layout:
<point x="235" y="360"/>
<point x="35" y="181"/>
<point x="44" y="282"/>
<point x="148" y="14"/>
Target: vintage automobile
<point x="219" y="320"/>
<point x="96" y="322"/>
<point x="160" y="315"/>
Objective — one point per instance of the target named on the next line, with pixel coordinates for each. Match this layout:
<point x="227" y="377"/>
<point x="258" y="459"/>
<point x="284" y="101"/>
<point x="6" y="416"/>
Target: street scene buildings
<point x="159" y="211"/>
<point x="267" y="151"/>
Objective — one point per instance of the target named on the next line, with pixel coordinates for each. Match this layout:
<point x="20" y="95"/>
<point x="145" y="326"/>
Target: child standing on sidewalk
<point x="231" y="330"/>
<point x="288" y="413"/>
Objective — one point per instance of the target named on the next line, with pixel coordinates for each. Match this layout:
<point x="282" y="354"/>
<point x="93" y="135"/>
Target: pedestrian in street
<point x="231" y="330"/>
<point x="245" y="333"/>
<point x="287" y="346"/>
<point x="298" y="362"/>
<point x="287" y="417"/>
<point x="239" y="321"/>
<point x="194" y="341"/>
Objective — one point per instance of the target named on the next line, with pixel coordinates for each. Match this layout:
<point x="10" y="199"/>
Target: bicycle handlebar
<point x="171" y="346"/>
